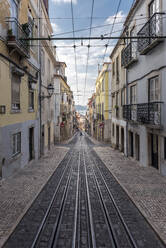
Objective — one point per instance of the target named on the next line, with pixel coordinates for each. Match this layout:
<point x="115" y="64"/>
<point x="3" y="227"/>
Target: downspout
<point x="40" y="83"/>
<point x="127" y="138"/>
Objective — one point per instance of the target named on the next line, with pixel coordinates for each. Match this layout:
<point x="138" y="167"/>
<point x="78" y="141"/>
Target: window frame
<point x="16" y="144"/>
<point x="150" y="80"/>
<point x="15" y="106"/>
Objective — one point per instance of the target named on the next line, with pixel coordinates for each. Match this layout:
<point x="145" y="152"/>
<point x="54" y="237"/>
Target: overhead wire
<point x="112" y="28"/>
<point x="87" y="62"/>
<point x="75" y="56"/>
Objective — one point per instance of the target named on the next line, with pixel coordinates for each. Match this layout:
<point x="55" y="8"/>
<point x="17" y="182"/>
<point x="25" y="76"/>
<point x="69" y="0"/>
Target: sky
<point x="82" y="70"/>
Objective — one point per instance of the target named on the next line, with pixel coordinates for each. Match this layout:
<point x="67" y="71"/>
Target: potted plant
<point x="10" y="35"/>
<point x="116" y="106"/>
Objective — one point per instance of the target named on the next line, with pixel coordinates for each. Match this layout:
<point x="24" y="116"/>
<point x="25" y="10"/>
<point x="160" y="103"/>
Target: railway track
<point x="87" y="209"/>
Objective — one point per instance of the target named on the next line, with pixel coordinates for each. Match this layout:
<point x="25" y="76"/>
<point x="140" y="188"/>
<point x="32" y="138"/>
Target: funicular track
<point x="86" y="209"/>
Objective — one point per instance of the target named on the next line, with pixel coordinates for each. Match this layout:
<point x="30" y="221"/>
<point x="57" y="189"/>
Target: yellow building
<point x="103" y="103"/>
<point x="63" y="103"/>
<point x="118" y="90"/>
<point x="18" y="85"/>
<point x="48" y="63"/>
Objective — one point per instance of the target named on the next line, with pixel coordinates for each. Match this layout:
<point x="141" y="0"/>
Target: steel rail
<point x="49" y="207"/>
<point x="76" y="207"/>
<point x="89" y="236"/>
<point x="114" y="242"/>
<point x="55" y="233"/>
<point x="53" y="239"/>
<point x="89" y="206"/>
<point x="117" y="209"/>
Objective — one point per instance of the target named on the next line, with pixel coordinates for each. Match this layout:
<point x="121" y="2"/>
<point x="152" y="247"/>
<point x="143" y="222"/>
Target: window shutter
<point x="15" y="89"/>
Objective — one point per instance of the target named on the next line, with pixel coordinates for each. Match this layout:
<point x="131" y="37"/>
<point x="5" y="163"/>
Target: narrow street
<point x="83" y="205"/>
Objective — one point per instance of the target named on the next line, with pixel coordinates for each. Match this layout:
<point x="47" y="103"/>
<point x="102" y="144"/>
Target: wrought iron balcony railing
<point x="100" y="117"/>
<point x="15" y="36"/>
<point x="129" y="54"/>
<point x="152" y="29"/>
<point x="145" y="113"/>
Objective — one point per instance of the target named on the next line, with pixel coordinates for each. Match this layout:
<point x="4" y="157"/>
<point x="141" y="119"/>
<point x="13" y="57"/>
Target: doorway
<point x="154" y="151"/>
<point x="122" y="139"/>
<point x="49" y="138"/>
<point x="31" y="143"/>
<point x="42" y="140"/>
<point x="131" y="140"/>
<point x="117" y="137"/>
<point x="137" y="147"/>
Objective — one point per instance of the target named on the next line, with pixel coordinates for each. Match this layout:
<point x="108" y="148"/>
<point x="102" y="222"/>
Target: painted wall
<point x="12" y="164"/>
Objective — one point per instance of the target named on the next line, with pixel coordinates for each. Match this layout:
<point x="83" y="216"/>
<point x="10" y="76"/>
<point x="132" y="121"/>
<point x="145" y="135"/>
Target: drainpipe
<point x="127" y="139"/>
<point x="40" y="83"/>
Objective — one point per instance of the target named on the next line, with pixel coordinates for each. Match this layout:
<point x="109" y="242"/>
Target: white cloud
<point x="95" y="56"/>
<point x="119" y="18"/>
<point x="55" y="28"/>
<point x="64" y="1"/>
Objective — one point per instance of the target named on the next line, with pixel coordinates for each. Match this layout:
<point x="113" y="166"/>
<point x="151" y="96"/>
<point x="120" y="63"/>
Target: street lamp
<point x="50" y="89"/>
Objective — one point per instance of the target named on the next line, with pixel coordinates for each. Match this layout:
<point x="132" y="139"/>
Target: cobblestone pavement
<point x="145" y="186"/>
<point x="19" y="191"/>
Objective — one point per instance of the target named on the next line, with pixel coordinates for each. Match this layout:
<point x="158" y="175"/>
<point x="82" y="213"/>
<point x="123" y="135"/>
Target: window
<point x="31" y="99"/>
<point x="113" y="68"/>
<point x="103" y="84"/>
<point x="42" y="62"/>
<point x="133" y="94"/>
<point x="15" y="85"/>
<point x="165" y="148"/>
<point x="154" y="89"/>
<point x="113" y="130"/>
<point x="122" y="97"/>
<point x="48" y="70"/>
<point x="117" y="69"/>
<point x="16" y="139"/>
<point x="154" y="7"/>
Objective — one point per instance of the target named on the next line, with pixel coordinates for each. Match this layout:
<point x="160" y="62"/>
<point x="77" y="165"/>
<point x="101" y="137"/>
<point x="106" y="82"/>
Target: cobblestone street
<point x="18" y="192"/>
<point x="145" y="187"/>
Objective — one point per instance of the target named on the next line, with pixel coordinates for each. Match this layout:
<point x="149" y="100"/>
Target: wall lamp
<point x="50" y="89"/>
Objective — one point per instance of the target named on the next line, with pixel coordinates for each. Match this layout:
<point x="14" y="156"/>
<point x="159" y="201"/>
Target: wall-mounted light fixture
<point x="50" y="89"/>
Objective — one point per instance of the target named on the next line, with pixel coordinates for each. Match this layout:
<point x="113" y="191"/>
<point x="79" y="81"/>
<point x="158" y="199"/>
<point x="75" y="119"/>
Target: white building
<point x="145" y="63"/>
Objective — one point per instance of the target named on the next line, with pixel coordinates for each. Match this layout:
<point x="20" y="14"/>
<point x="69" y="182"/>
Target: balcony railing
<point x="145" y="113"/>
<point x="129" y="54"/>
<point x="15" y="35"/>
<point x="100" y="117"/>
<point x="152" y="29"/>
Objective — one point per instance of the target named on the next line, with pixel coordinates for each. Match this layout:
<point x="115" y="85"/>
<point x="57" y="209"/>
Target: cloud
<point x="119" y="18"/>
<point x="96" y="53"/>
<point x="55" y="28"/>
<point x="64" y="1"/>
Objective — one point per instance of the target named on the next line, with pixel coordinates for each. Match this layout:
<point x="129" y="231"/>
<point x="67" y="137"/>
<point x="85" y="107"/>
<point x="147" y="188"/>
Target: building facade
<point x="19" y="70"/>
<point x="103" y="104"/>
<point x="145" y="63"/>
<point x="64" y="105"/>
<point x="118" y="92"/>
<point x="47" y="101"/>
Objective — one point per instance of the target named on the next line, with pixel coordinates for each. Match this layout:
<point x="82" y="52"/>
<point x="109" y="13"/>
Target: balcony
<point x="152" y="29"/>
<point x="144" y="113"/>
<point x="14" y="35"/>
<point x="100" y="117"/>
<point x="129" y="54"/>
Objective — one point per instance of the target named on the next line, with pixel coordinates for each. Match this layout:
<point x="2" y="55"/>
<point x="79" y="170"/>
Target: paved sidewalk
<point x="145" y="186"/>
<point x="19" y="191"/>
